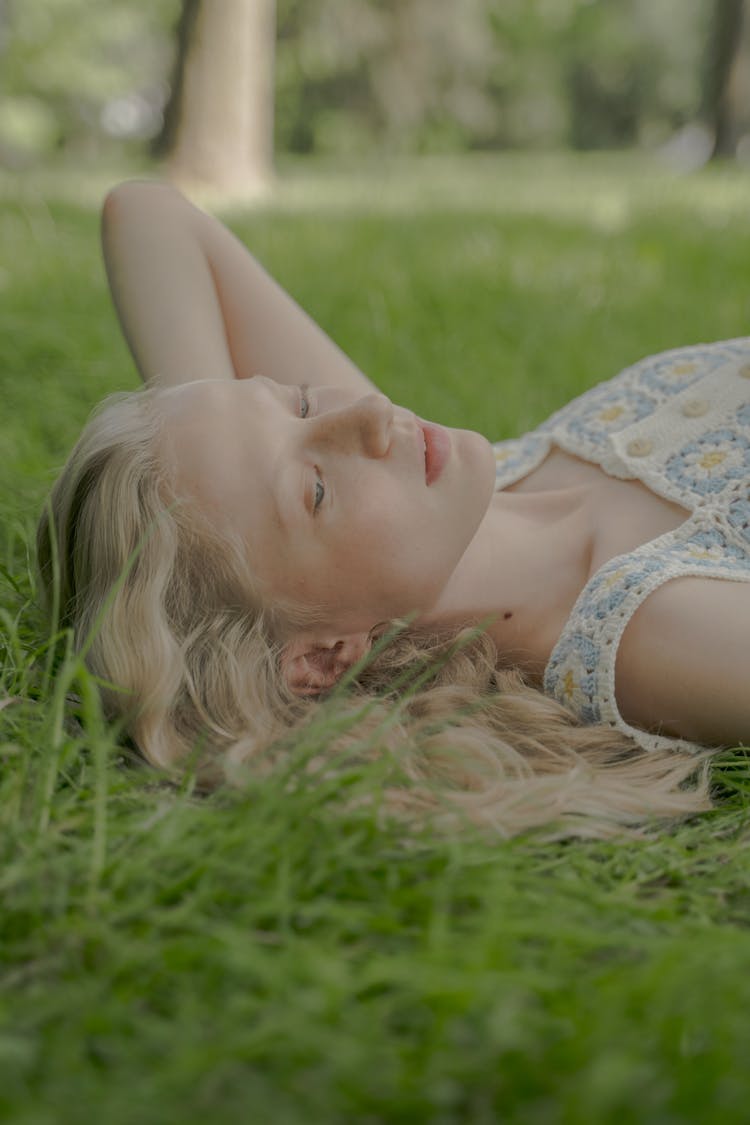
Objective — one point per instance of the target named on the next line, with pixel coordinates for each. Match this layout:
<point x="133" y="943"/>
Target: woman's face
<point x="345" y="503"/>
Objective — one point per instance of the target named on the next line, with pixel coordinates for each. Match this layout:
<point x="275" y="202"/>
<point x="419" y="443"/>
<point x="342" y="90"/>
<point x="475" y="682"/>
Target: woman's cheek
<point x="379" y="522"/>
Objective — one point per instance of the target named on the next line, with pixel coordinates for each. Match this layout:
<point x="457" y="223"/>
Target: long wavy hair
<point x="166" y="612"/>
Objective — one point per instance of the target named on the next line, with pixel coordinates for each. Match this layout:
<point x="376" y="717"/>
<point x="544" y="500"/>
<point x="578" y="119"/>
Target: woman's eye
<point x="304" y="402"/>
<point x="319" y="494"/>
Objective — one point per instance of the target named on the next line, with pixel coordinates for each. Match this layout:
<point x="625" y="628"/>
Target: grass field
<point x="266" y="956"/>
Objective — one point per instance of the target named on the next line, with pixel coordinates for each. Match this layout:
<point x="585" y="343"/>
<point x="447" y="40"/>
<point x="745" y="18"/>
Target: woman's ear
<point x="311" y="664"/>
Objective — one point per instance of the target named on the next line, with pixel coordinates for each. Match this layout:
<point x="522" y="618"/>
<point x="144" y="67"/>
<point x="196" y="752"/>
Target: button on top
<point x="639" y="447"/>
<point x="744" y="371"/>
<point x="695" y="408"/>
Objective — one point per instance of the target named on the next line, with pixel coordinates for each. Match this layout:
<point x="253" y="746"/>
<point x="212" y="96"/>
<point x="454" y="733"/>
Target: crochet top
<point x="679" y="422"/>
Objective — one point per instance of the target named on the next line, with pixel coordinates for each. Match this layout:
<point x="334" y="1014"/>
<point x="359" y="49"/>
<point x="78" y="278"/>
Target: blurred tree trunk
<point x="720" y="95"/>
<point x="218" y="126"/>
<point x="4" y="22"/>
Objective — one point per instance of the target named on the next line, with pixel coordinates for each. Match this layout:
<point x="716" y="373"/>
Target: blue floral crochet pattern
<point x="680" y="423"/>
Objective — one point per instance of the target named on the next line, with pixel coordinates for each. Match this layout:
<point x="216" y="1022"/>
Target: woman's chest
<point x="621" y="515"/>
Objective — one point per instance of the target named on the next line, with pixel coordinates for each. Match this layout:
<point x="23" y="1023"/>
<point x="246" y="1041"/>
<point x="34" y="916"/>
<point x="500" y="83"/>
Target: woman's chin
<point x="482" y="455"/>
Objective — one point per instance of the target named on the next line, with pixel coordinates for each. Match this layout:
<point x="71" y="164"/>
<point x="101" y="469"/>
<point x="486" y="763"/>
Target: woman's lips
<point x="437" y="450"/>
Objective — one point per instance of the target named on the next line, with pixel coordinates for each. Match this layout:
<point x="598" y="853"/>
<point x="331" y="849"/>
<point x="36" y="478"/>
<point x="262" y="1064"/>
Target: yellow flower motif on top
<point x="613" y="578"/>
<point x="714" y="554"/>
<point x="710" y="461"/>
<point x="709" y="464"/>
<point x="611" y="414"/>
<point x="685" y="368"/>
<point x="501" y="455"/>
<point x="571" y="692"/>
<point x="569" y="684"/>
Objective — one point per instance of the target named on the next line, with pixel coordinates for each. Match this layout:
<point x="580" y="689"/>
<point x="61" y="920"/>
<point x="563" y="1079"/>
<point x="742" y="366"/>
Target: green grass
<point x="266" y="956"/>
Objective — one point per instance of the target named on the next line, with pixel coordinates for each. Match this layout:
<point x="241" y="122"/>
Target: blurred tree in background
<point x="394" y="75"/>
<point x="725" y="85"/>
<point x="406" y="75"/>
<point x="76" y="75"/>
<point x="426" y="75"/>
<point x="218" y="121"/>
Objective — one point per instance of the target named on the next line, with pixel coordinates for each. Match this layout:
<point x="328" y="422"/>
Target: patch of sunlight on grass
<point x="604" y="191"/>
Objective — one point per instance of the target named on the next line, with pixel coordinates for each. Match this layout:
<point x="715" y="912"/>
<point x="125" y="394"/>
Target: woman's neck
<point x="522" y="572"/>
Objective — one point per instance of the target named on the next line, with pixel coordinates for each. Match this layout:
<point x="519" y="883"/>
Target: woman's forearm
<point x="194" y="303"/>
<point x="162" y="286"/>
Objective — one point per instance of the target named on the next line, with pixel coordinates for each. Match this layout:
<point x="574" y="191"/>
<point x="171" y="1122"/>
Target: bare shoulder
<point x="683" y="666"/>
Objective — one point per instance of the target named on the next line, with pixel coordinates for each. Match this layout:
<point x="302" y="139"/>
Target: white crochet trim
<point x="667" y="421"/>
<point x="613" y="628"/>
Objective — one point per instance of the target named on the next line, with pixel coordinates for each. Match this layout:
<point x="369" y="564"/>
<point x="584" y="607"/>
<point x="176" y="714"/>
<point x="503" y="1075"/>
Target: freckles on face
<point x="221" y="458"/>
<point x="393" y="543"/>
<point x="351" y="559"/>
<point x="382" y="544"/>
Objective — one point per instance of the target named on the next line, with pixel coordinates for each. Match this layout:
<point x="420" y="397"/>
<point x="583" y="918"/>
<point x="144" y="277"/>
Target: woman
<point x="234" y="540"/>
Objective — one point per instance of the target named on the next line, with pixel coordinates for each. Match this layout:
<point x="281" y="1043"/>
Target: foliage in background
<point x="76" y="75"/>
<point x="421" y="75"/>
<point x="401" y="75"/>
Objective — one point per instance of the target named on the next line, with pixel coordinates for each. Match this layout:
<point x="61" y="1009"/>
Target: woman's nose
<point x="361" y="426"/>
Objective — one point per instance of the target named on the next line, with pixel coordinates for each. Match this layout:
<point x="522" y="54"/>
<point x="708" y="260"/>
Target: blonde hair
<point x="165" y="610"/>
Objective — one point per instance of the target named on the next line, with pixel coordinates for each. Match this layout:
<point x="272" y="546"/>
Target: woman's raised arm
<point x="193" y="303"/>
